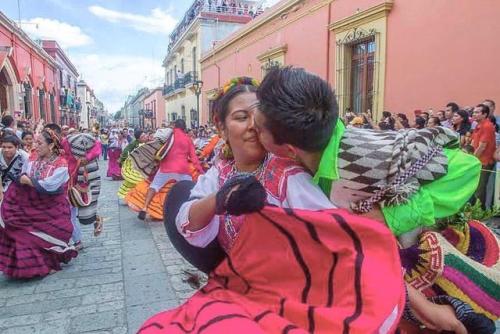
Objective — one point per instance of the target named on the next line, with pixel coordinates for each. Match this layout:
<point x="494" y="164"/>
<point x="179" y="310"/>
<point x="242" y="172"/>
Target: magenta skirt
<point x="35" y="233"/>
<point x="114" y="169"/>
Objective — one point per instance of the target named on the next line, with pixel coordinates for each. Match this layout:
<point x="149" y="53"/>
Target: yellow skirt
<point x="131" y="178"/>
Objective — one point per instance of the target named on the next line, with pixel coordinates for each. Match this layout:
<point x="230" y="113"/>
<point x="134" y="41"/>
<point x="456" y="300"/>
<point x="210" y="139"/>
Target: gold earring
<point x="227" y="152"/>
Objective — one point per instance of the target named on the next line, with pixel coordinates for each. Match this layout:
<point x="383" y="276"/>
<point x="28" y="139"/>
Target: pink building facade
<point x="28" y="76"/>
<point x="154" y="108"/>
<point x="378" y="55"/>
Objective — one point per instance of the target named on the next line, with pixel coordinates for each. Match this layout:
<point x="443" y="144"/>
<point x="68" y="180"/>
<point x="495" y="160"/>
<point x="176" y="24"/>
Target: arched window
<point x="183" y="112"/>
<point x="182" y="65"/>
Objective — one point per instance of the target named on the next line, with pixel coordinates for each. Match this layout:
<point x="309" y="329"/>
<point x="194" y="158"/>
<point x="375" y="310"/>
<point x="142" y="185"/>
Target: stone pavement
<point x="120" y="279"/>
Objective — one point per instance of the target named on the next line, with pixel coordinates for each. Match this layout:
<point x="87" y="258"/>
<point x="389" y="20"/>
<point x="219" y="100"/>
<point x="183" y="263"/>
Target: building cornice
<point x="68" y="62"/>
<point x="272" y="53"/>
<point x="13" y="28"/>
<point x="369" y="14"/>
<point x="253" y="25"/>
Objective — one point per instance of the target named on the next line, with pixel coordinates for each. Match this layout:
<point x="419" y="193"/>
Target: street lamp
<point x="197" y="85"/>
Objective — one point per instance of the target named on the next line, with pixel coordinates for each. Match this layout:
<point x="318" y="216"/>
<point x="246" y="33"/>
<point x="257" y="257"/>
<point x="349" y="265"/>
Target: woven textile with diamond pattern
<point x="299" y="272"/>
<point x="372" y="160"/>
<point x="80" y="145"/>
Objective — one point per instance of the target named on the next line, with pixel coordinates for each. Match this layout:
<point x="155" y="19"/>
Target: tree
<point x="118" y="115"/>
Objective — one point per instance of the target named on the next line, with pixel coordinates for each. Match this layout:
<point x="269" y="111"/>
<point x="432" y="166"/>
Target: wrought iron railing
<point x="167" y="89"/>
<point x="238" y="8"/>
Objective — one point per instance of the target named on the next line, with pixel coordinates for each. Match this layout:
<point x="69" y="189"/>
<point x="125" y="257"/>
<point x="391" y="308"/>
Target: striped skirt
<point x="35" y="232"/>
<point x="298" y="272"/>
<point x="462" y="263"/>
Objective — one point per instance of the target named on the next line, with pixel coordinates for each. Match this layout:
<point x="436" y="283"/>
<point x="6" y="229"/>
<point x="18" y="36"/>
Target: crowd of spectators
<point x="232" y="7"/>
<point x="477" y="128"/>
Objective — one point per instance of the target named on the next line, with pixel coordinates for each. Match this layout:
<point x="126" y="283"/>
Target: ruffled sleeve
<point x="302" y="193"/>
<point x="207" y="184"/>
<point x="53" y="184"/>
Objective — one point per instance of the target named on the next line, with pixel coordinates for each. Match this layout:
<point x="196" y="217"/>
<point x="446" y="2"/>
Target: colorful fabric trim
<point x="435" y="266"/>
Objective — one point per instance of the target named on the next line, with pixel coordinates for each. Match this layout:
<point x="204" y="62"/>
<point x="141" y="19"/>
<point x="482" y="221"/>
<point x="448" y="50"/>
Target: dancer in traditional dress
<point x="140" y="168"/>
<point x="140" y="138"/>
<point x="407" y="178"/>
<point x="285" y="270"/>
<point x="12" y="160"/>
<point x="36" y="227"/>
<point x="117" y="144"/>
<point x="82" y="151"/>
<point x="175" y="166"/>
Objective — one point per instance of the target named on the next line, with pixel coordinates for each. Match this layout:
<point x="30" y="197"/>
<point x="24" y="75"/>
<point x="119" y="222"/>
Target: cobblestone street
<point x="117" y="281"/>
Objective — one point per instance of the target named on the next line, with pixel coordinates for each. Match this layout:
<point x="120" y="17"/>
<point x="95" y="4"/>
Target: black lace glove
<point x="239" y="195"/>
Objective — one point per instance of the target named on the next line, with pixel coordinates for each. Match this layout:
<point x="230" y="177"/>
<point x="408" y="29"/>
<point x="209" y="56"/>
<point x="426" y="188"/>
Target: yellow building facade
<point x="203" y="25"/>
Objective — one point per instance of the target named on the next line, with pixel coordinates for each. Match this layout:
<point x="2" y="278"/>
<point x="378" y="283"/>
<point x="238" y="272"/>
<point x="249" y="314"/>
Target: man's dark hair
<point x="484" y="108"/>
<point x="11" y="138"/>
<point x="54" y="127"/>
<point x="180" y="124"/>
<point x="420" y="122"/>
<point x="138" y="133"/>
<point x="454" y="107"/>
<point x="26" y="133"/>
<point x="300" y="108"/>
<point x="7" y="121"/>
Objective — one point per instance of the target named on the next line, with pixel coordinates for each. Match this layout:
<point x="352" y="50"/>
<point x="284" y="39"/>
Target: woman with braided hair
<point x="36" y="228"/>
<point x="281" y="266"/>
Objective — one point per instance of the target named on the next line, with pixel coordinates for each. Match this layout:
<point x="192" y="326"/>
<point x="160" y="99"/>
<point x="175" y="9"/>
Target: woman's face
<point x="28" y="141"/>
<point x="239" y="129"/>
<point x="8" y="150"/>
<point x="457" y="119"/>
<point x="42" y="147"/>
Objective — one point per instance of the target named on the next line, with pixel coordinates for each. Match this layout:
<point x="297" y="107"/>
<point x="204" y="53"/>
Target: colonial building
<point x="205" y="23"/>
<point x="135" y="108"/>
<point x="154" y="109"/>
<point x="28" y="76"/>
<point x="379" y="55"/>
<point x="67" y="78"/>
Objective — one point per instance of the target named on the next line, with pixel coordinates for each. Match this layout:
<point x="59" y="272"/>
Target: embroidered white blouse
<point x="301" y="193"/>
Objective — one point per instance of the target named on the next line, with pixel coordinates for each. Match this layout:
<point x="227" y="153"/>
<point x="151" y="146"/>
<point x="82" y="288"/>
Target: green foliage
<point x="467" y="213"/>
<point x="118" y="115"/>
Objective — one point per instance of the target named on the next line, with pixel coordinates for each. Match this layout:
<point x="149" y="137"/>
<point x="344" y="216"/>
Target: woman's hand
<point x="433" y="316"/>
<point x="440" y="318"/>
<point x="26" y="180"/>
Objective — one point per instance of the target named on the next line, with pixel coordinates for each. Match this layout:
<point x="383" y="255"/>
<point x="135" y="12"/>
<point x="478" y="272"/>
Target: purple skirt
<point x="114" y="169"/>
<point x="35" y="233"/>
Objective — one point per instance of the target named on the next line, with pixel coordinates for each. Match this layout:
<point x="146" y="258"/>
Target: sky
<point x="116" y="45"/>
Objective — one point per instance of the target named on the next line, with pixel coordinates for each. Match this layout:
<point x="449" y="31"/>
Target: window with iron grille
<point x="362" y="65"/>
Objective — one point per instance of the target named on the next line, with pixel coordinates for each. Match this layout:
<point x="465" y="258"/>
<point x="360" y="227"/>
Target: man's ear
<point x="290" y="151"/>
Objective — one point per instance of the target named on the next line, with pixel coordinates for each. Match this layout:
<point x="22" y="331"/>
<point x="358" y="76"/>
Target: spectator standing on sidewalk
<point x="451" y="108"/>
<point x="483" y="141"/>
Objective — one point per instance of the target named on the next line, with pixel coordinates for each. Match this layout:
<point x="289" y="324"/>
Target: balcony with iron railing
<point x="180" y="83"/>
<point x="216" y="9"/>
